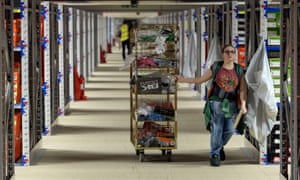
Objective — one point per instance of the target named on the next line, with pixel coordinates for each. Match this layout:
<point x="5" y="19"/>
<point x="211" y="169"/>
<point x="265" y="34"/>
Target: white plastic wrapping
<point x="261" y="102"/>
<point x="190" y="63"/>
<point x="160" y="44"/>
<point x="214" y="55"/>
<point x="214" y="52"/>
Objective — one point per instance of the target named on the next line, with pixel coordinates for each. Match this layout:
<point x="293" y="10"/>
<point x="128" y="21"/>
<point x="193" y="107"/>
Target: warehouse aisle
<point x="93" y="141"/>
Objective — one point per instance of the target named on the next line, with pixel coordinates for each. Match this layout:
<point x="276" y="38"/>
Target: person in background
<point x="125" y="41"/>
<point x="223" y="99"/>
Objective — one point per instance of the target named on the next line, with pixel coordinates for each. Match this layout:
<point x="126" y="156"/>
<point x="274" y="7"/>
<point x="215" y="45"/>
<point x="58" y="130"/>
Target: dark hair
<point x="225" y="46"/>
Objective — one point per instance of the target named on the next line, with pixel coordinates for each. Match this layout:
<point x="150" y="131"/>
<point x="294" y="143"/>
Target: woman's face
<point x="228" y="54"/>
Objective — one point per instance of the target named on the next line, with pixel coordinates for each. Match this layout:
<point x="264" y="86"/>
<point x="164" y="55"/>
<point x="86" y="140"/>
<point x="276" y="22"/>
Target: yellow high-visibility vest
<point x="124" y="32"/>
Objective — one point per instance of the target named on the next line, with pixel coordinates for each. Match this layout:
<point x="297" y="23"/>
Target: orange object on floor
<point x="82" y="88"/>
<point x="79" y="87"/>
<point x="102" y="56"/>
<point x="108" y="48"/>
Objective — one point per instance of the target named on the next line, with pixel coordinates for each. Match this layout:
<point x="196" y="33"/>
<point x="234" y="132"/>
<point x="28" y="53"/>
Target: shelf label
<point x="149" y="85"/>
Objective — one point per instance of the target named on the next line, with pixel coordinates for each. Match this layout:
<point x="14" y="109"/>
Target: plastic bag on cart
<point x="261" y="102"/>
<point x="160" y="44"/>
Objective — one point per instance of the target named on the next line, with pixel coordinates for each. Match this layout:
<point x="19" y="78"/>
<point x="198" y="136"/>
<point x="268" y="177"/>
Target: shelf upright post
<point x="88" y="35"/>
<point x="71" y="53"/>
<point x="199" y="44"/>
<point x="104" y="34"/>
<point x="60" y="74"/>
<point x="92" y="43"/>
<point x="83" y="58"/>
<point x="47" y="70"/>
<point x="234" y="19"/>
<point x="99" y="38"/>
<point x="6" y="92"/>
<point x="181" y="39"/>
<point x="295" y="102"/>
<point x="263" y="20"/>
<point x="3" y="159"/>
<point x="25" y="101"/>
<point x="186" y="31"/>
<point x="203" y="42"/>
<point x="78" y="43"/>
<point x="285" y="117"/>
<point x="8" y="53"/>
<point x="37" y="64"/>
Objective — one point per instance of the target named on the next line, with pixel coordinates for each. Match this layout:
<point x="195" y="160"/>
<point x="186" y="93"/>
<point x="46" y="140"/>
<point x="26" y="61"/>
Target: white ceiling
<point x="145" y="8"/>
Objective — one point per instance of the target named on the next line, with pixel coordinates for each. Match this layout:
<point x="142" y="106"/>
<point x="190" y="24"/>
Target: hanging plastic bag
<point x="214" y="52"/>
<point x="214" y="55"/>
<point x="261" y="102"/>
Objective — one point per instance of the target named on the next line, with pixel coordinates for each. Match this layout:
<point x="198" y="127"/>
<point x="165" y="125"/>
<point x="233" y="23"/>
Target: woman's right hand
<point x="177" y="77"/>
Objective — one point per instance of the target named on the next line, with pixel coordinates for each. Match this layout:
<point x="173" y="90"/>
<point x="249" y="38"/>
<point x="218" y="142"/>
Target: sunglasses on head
<point x="228" y="51"/>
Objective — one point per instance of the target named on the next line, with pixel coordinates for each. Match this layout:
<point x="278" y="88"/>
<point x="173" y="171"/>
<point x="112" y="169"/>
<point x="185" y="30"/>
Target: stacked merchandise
<point x="17" y="85"/>
<point x="18" y="134"/>
<point x="17" y="32"/>
<point x="153" y="90"/>
<point x="273" y="48"/>
<point x="274" y="142"/>
<point x="241" y="38"/>
<point x="17" y="82"/>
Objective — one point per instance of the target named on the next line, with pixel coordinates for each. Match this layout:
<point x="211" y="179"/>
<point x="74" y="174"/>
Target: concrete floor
<point x="93" y="142"/>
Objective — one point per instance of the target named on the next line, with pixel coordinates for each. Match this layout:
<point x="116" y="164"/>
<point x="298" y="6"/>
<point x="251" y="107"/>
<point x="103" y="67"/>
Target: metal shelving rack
<point x="36" y="119"/>
<point x="252" y="28"/>
<point x="54" y="61"/>
<point x="257" y="23"/>
<point x="289" y="109"/>
<point x="53" y="85"/>
<point x="28" y="54"/>
<point x="47" y="91"/>
<point x="6" y="85"/>
<point x="71" y="52"/>
<point x="66" y="71"/>
<point x="61" y="59"/>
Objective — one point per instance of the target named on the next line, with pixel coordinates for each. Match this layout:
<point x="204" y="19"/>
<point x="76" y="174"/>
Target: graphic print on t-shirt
<point x="227" y="79"/>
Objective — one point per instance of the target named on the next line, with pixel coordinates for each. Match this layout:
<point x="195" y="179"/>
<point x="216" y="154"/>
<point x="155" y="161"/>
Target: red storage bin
<point x="18" y="134"/>
<point x="241" y="56"/>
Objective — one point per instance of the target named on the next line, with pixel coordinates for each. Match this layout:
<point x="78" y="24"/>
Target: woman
<point x="223" y="101"/>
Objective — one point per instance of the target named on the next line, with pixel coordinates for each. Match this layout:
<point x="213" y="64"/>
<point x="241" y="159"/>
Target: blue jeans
<point x="124" y="45"/>
<point x="221" y="127"/>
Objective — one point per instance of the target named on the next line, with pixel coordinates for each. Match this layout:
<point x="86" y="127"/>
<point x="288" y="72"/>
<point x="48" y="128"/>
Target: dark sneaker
<point x="222" y="154"/>
<point x="214" y="160"/>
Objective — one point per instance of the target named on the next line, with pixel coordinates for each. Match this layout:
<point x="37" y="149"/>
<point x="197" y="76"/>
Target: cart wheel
<point x="142" y="156"/>
<point x="137" y="152"/>
<point x="169" y="156"/>
<point x="163" y="152"/>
